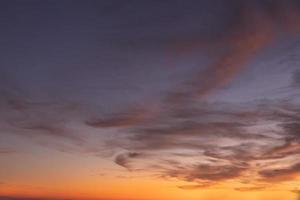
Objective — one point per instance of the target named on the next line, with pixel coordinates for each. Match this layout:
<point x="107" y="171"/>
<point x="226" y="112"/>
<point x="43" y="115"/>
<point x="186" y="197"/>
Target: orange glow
<point x="138" y="189"/>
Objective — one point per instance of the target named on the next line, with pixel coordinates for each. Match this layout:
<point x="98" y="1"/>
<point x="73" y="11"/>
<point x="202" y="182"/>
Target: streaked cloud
<point x="281" y="174"/>
<point x="6" y="151"/>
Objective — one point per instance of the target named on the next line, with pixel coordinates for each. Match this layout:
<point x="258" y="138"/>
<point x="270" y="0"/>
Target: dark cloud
<point x="254" y="29"/>
<point x="125" y="159"/>
<point x="203" y="185"/>
<point x="297" y="191"/>
<point x="204" y="172"/>
<point x="281" y="174"/>
<point x="287" y="15"/>
<point x="249" y="189"/>
<point x="296" y="79"/>
<point x="292" y="128"/>
<point x="6" y="151"/>
<point x="127" y="119"/>
<point x="250" y="32"/>
<point x="24" y="114"/>
<point x="186" y="134"/>
<point x="180" y="125"/>
<point x="217" y="76"/>
<point x="288" y="148"/>
<point x="199" y="136"/>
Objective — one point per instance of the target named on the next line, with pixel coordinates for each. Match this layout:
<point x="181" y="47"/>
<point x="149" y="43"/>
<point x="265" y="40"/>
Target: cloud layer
<point x="181" y="133"/>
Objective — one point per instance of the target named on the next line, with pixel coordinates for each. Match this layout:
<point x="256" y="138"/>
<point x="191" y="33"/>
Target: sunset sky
<point x="150" y="99"/>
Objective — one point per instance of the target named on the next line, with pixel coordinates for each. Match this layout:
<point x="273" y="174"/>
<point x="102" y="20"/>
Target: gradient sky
<point x="150" y="100"/>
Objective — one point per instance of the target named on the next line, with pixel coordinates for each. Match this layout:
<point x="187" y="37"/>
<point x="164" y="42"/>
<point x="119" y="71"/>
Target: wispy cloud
<point x="217" y="145"/>
<point x="129" y="118"/>
<point x="125" y="159"/>
<point x="296" y="79"/>
<point x="7" y="151"/>
<point x="281" y="174"/>
<point x="207" y="172"/>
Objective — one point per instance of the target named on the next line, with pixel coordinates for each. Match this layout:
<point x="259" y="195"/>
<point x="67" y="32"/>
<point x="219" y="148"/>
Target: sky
<point x="150" y="100"/>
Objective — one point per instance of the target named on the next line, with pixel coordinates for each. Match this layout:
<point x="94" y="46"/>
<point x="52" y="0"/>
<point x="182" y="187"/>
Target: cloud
<point x="253" y="32"/>
<point x="187" y="133"/>
<point x="6" y="151"/>
<point x="124" y="159"/>
<point x="296" y="79"/>
<point x="289" y="148"/>
<point x="257" y="25"/>
<point x="250" y="189"/>
<point x="292" y="128"/>
<point x="214" y="143"/>
<point x="203" y="185"/>
<point x="254" y="27"/>
<point x="188" y="138"/>
<point x="205" y="172"/>
<point x="121" y="120"/>
<point x="297" y="191"/>
<point x="280" y="174"/>
<point x="26" y="115"/>
<point x="287" y="14"/>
